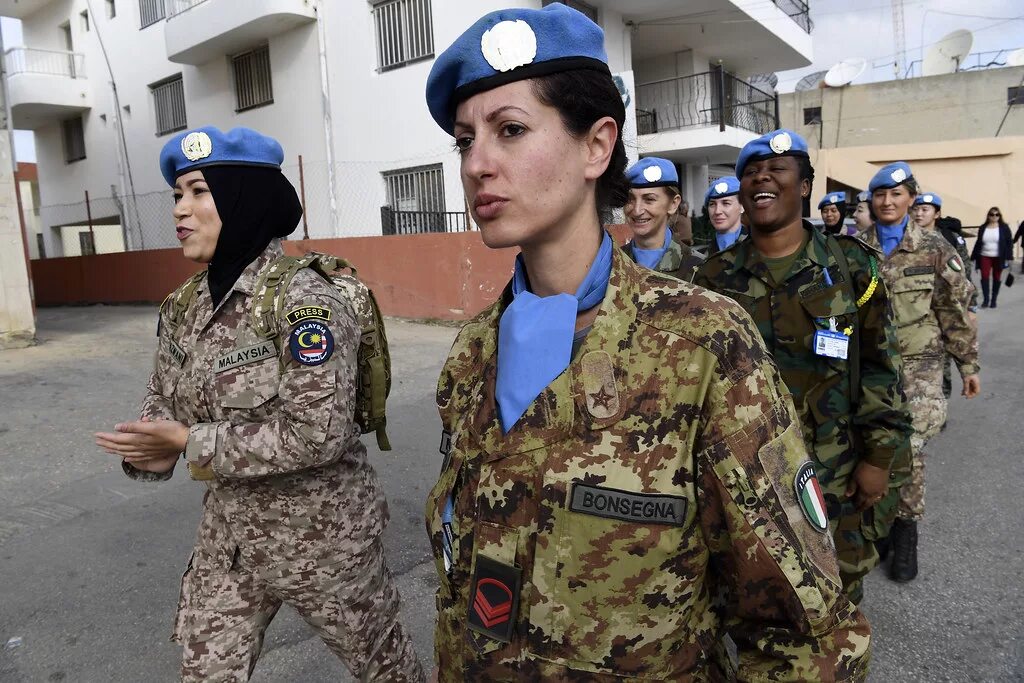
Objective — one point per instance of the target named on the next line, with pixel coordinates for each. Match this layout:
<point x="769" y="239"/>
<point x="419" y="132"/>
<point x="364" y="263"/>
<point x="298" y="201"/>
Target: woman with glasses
<point x="992" y="252"/>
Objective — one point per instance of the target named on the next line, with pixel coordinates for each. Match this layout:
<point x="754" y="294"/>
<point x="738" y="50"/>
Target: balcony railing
<point x="713" y="98"/>
<point x="26" y="60"/>
<point x="798" y="11"/>
<point x="414" y="222"/>
<point x="178" y="6"/>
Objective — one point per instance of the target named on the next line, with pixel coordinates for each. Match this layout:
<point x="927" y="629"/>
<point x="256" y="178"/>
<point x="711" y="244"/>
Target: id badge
<point x="831" y="344"/>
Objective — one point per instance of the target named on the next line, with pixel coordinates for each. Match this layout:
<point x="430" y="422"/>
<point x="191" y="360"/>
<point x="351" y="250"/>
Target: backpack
<point x="373" y="381"/>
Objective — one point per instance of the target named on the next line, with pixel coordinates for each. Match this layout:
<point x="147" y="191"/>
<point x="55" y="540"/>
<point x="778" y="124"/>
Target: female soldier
<point x="833" y="212"/>
<point x="862" y="212"/>
<point x="623" y="470"/>
<point x="653" y="198"/>
<point x="725" y="213"/>
<point x="929" y="296"/>
<point x="293" y="511"/>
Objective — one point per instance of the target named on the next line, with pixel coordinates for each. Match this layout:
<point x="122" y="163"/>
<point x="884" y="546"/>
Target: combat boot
<point x="984" y="293"/>
<point x="903" y="567"/>
<point x="882" y="546"/>
<point x="996" y="284"/>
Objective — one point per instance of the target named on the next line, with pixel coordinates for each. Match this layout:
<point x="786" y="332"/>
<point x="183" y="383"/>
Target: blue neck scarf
<point x="650" y="258"/>
<point x="535" y="335"/>
<point x="889" y="236"/>
<point x="726" y="240"/>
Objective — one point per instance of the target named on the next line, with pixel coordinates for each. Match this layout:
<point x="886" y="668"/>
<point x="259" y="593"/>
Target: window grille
<point x="41" y="245"/>
<point x="73" y="133"/>
<point x="86" y="244"/>
<point x="169" y="103"/>
<point x="415" y="201"/>
<point x="812" y="115"/>
<point x="405" y="32"/>
<point x="253" y="86"/>
<point x="1015" y="95"/>
<point x="150" y="12"/>
<point x="578" y="5"/>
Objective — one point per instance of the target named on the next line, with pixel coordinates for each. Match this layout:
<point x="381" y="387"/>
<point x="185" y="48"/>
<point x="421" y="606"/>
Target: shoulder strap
<point x="844" y="268"/>
<point x="272" y="286"/>
<point x="178" y="301"/>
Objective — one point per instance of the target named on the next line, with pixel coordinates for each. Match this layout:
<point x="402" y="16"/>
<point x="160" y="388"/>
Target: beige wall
<point x="17" y="317"/>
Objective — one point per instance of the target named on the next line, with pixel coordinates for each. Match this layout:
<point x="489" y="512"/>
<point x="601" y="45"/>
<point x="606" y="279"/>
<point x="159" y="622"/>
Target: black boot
<point x="996" y="284"/>
<point x="904" y="551"/>
<point x="882" y="545"/>
<point x="984" y="293"/>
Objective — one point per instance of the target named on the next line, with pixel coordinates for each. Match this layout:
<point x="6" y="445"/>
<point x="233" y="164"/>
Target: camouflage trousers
<point x="855" y="551"/>
<point x="922" y="383"/>
<point x="349" y="599"/>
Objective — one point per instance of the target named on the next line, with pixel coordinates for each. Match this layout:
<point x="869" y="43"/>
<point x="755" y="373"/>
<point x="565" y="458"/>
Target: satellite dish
<point x="810" y="81"/>
<point x="1016" y="58"/>
<point x="845" y="72"/>
<point x="768" y="81"/>
<point x="946" y="56"/>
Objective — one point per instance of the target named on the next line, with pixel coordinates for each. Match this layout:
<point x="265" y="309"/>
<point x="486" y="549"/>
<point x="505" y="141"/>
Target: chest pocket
<point x="247" y="387"/>
<point x="917" y="327"/>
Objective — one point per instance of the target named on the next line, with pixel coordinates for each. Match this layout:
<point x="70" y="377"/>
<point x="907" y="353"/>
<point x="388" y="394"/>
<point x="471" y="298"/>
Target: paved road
<point x="90" y="561"/>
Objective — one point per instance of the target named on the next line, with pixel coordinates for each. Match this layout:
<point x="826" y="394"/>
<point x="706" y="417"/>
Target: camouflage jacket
<point x="678" y="260"/>
<point x="930" y="296"/>
<point x="291" y="478"/>
<point x="842" y="424"/>
<point x="958" y="242"/>
<point x="647" y="501"/>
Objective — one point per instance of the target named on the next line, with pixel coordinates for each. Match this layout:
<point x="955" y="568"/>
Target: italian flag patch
<point x="808" y="494"/>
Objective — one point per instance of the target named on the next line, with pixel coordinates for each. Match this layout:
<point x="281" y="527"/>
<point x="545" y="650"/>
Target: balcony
<point x="45" y="86"/>
<point x="19" y="9"/>
<point x="198" y="31"/>
<point x="706" y="116"/>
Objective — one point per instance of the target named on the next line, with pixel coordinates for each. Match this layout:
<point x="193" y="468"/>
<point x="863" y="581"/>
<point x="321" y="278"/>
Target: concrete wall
<point x="17" y="316"/>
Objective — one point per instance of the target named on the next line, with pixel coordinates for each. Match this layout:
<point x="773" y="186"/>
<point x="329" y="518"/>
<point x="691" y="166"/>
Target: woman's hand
<point x="145" y="440"/>
<point x="972" y="386"/>
<point x="869" y="484"/>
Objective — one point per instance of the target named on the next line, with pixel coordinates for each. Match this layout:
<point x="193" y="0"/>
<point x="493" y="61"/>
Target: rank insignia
<point x="311" y="343"/>
<point x="494" y="599"/>
<point x="808" y="495"/>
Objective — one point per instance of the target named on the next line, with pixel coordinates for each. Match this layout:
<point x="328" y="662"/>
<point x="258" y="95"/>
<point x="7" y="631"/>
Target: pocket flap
<point x="248" y="386"/>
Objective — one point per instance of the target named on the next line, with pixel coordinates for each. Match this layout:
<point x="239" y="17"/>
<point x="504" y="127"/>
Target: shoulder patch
<point x="311" y="343"/>
<point x="808" y="494"/>
<point x="954" y="264"/>
<point x="306" y="313"/>
<point x="918" y="270"/>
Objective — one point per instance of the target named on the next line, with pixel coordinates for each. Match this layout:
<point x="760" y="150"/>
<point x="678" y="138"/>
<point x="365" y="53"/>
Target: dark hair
<point x="582" y="97"/>
<point x="806" y="171"/>
<point x="1001" y="221"/>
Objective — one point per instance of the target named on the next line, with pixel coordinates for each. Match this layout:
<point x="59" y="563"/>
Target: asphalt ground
<point x="90" y="561"/>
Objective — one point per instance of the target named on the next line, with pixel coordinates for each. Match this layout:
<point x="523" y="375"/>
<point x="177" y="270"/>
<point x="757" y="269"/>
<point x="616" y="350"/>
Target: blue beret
<point x="512" y="45"/>
<point x="208" y="146"/>
<point x="832" y="198"/>
<point x="890" y="176"/>
<point x="778" y="143"/>
<point x="723" y="187"/>
<point x="864" y="196"/>
<point x="929" y="198"/>
<point x="652" y="172"/>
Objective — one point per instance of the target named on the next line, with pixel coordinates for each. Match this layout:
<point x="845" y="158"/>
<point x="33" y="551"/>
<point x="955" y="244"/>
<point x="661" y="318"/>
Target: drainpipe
<point x="325" y="99"/>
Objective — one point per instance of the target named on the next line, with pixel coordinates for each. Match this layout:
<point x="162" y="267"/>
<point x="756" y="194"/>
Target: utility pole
<point x="899" y="38"/>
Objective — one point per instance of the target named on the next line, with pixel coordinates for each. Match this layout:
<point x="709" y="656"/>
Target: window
<point x="1015" y="95"/>
<point x="86" y="243"/>
<point x="578" y="5"/>
<point x="41" y="245"/>
<point x="252" y="79"/>
<point x="150" y="12"/>
<point x="111" y="9"/>
<point x="405" y="32"/>
<point x="812" y="115"/>
<point x="85" y="20"/>
<point x="415" y="200"/>
<point x="73" y="133"/>
<point x="169" y="103"/>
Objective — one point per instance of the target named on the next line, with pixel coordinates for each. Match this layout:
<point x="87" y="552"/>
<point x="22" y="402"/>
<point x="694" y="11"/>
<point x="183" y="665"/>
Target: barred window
<point x="252" y="79"/>
<point x="73" y="133"/>
<point x="150" y="12"/>
<point x="405" y="32"/>
<point x="415" y="201"/>
<point x="169" y="103"/>
<point x="41" y="245"/>
<point x="812" y="115"/>
<point x="86" y="244"/>
<point x="578" y="5"/>
<point x="1015" y="95"/>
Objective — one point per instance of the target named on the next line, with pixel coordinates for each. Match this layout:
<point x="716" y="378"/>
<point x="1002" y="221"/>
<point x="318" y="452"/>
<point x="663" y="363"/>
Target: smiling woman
<point x="591" y="493"/>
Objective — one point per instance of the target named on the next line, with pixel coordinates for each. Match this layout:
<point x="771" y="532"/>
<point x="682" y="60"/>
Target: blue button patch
<point x="311" y="343"/>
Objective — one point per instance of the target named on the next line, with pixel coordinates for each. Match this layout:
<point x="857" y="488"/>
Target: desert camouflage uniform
<point x="930" y="295"/>
<point x="294" y="511"/>
<point x="678" y="260"/>
<point x="671" y="394"/>
<point x="841" y="430"/>
<point x="958" y="243"/>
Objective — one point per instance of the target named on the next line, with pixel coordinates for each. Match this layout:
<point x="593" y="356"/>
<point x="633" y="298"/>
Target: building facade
<point x="103" y="84"/>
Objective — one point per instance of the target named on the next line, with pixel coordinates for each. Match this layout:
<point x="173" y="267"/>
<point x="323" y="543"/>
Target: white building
<point x="340" y="82"/>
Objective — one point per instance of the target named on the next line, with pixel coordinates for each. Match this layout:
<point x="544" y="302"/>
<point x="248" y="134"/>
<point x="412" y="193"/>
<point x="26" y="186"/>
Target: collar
<point x="744" y="256"/>
<point x="246" y="282"/>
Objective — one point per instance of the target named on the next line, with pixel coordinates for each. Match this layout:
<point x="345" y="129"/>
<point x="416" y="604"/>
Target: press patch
<point x="306" y="313"/>
<point x="245" y="355"/>
<point x="808" y="494"/>
<point x="642" y="508"/>
<point x="919" y="270"/>
<point x="311" y="343"/>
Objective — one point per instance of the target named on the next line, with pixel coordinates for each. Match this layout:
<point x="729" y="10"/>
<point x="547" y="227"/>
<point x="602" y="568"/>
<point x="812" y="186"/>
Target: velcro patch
<point x="641" y="508"/>
<point x="808" y="494"/>
<point x="494" y="598"/>
<point x="954" y="263"/>
<point x="919" y="270"/>
<point x="177" y="353"/>
<point x="245" y="355"/>
<point x="311" y="343"/>
<point x="307" y="313"/>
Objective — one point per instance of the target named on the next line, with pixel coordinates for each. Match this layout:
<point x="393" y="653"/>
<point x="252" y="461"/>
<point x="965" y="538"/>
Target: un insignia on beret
<point x="721" y="187"/>
<point x="781" y="143"/>
<point x="927" y="199"/>
<point x="899" y="175"/>
<point x="196" y="146"/>
<point x="652" y="174"/>
<point x="508" y="45"/>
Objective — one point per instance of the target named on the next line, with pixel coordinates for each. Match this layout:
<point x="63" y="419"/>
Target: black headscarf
<point x="256" y="204"/>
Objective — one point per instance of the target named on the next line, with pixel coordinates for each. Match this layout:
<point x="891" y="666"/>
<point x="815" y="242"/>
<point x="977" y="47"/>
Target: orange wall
<point x="449" y="276"/>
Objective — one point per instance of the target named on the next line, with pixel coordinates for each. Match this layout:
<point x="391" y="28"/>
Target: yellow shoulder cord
<point x="866" y="296"/>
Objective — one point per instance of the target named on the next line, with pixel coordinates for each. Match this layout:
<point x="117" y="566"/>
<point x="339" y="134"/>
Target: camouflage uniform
<point x="670" y="401"/>
<point x="930" y="296"/>
<point x="840" y="429"/>
<point x="293" y="512"/>
<point x="958" y="243"/>
<point x="678" y="260"/>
